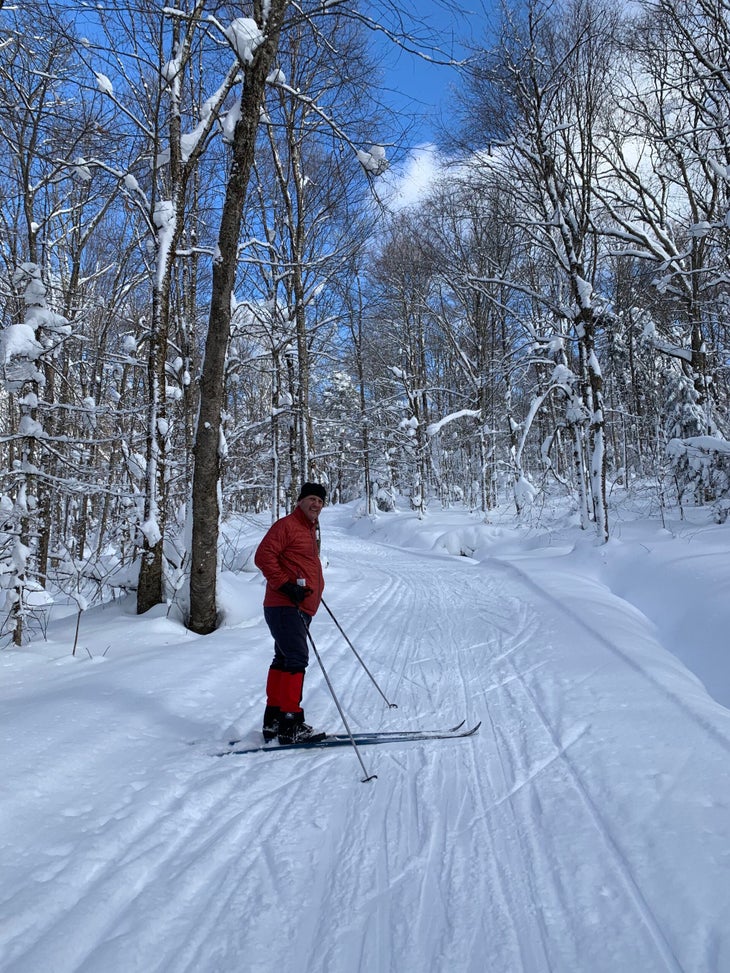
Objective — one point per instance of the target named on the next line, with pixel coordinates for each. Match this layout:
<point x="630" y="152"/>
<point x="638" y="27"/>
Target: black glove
<point x="295" y="592"/>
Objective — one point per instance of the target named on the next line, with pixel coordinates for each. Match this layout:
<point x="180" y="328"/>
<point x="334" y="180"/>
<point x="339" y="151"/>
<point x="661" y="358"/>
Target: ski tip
<point x="371" y="777"/>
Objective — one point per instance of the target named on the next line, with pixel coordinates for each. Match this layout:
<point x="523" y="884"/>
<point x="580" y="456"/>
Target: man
<point x="288" y="557"/>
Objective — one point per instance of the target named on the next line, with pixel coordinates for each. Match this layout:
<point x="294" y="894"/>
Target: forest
<point x="208" y="294"/>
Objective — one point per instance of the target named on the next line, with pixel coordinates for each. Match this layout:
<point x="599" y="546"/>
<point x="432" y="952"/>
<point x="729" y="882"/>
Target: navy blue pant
<point x="288" y="627"/>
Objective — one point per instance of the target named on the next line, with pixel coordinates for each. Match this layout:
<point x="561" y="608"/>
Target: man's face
<point x="310" y="507"/>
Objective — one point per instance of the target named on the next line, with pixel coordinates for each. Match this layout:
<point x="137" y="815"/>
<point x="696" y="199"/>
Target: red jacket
<point x="288" y="552"/>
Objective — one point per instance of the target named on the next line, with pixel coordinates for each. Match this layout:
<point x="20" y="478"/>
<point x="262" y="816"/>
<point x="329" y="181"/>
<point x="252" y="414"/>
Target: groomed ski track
<point x="547" y="842"/>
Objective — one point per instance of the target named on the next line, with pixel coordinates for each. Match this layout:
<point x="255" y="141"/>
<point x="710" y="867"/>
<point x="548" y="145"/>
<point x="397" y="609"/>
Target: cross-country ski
<point x="361" y="739"/>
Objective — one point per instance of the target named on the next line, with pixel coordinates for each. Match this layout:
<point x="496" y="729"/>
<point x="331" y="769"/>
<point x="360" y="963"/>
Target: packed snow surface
<point x="584" y="829"/>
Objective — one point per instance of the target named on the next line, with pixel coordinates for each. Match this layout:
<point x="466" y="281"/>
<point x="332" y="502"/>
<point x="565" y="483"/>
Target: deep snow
<point x="584" y="829"/>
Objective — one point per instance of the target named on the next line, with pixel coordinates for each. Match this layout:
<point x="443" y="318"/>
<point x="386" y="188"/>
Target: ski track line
<point x="535" y="952"/>
<point x="383" y="600"/>
<point x="260" y="859"/>
<point x="635" y="894"/>
<point x="564" y="610"/>
<point x="514" y="869"/>
<point x="173" y="837"/>
<point x="454" y="587"/>
<point x="521" y="898"/>
<point x="254" y="830"/>
<point x="507" y="779"/>
<point x="354" y="860"/>
<point x="429" y="859"/>
<point x="341" y="884"/>
<point x="101" y="897"/>
<point x="359" y="893"/>
<point x="397" y="597"/>
<point x="302" y="936"/>
<point x="397" y="885"/>
<point x="525" y="778"/>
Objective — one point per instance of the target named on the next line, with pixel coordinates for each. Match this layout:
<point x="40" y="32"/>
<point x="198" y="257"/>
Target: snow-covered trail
<point x="526" y="836"/>
<point x="564" y="837"/>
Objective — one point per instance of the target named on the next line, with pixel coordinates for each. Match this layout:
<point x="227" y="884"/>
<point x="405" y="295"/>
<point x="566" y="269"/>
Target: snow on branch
<point x="698" y="447"/>
<point x="21" y="344"/>
<point x="244" y="36"/>
<point x="434" y="428"/>
<point x="374" y="160"/>
<point x="104" y="84"/>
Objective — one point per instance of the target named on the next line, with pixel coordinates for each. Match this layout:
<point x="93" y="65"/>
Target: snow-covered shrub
<point x="702" y="467"/>
<point x="695" y="457"/>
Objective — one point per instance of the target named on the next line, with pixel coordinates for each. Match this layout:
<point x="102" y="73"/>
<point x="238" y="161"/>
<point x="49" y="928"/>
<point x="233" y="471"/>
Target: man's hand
<point x="295" y="592"/>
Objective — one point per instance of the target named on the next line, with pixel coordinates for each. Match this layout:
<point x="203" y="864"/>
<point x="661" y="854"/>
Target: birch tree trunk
<point x="168" y="220"/>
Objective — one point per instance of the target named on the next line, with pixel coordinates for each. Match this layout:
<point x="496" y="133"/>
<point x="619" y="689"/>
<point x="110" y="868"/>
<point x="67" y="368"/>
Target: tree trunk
<point x="206" y="476"/>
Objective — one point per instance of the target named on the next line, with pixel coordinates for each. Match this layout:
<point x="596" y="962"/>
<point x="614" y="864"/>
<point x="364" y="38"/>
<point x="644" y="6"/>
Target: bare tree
<point x="256" y="66"/>
<point x="541" y="95"/>
<point x="668" y="156"/>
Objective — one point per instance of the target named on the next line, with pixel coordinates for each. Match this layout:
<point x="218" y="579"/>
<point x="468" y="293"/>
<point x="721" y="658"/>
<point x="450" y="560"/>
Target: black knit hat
<point x="312" y="490"/>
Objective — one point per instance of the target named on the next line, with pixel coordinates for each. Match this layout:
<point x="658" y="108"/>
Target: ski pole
<point x="359" y="657"/>
<point x="367" y="776"/>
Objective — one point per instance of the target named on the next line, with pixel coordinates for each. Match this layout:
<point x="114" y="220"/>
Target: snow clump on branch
<point x="23" y="343"/>
<point x="374" y="160"/>
<point x="104" y="83"/>
<point x="244" y="36"/>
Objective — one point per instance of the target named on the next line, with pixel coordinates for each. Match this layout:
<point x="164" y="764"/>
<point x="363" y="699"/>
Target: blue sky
<point x="422" y="87"/>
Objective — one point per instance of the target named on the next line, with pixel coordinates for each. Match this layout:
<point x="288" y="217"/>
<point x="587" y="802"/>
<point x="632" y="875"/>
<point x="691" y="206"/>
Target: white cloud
<point x="408" y="184"/>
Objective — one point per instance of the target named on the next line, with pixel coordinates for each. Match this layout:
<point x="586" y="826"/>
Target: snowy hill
<point x="585" y="829"/>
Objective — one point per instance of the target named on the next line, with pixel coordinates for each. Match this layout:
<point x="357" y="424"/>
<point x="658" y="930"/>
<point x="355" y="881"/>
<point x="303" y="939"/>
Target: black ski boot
<point x="272" y="718"/>
<point x="293" y="729"/>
